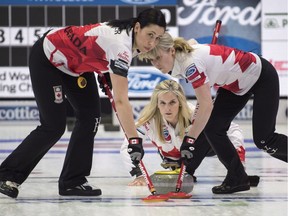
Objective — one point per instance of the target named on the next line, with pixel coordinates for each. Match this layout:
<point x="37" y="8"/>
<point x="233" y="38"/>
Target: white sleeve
<point x="235" y="134"/>
<point x="123" y="150"/>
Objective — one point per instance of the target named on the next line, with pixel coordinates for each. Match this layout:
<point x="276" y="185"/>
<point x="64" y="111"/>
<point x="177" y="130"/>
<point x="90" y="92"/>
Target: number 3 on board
<point x="20" y="36"/>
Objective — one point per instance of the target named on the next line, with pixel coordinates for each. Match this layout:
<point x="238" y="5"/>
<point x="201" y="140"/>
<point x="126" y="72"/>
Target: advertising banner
<point x="241" y="22"/>
<point x="275" y="39"/>
<point x="277" y="53"/>
<point x="15" y="83"/>
<point x="17" y="112"/>
<point x="143" y="80"/>
<point x="275" y="20"/>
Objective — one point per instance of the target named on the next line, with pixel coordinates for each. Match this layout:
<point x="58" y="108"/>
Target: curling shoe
<point x="226" y="188"/>
<point x="9" y="188"/>
<point x="81" y="190"/>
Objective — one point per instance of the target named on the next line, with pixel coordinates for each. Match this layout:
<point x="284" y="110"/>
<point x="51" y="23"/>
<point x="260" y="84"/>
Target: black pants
<point x="265" y="107"/>
<point x="50" y="86"/>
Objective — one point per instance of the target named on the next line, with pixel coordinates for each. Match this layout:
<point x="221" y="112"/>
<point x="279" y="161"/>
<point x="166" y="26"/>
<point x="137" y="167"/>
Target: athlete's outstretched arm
<point x="123" y="106"/>
<point x="204" y="99"/>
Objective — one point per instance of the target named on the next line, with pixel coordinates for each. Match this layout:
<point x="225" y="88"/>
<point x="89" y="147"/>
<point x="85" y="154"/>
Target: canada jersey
<point x="170" y="148"/>
<point x="220" y="66"/>
<point x="98" y="47"/>
<point x="172" y="140"/>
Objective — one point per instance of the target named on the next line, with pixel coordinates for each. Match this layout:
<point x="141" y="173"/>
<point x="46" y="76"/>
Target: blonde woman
<point x="165" y="121"/>
<point x="238" y="75"/>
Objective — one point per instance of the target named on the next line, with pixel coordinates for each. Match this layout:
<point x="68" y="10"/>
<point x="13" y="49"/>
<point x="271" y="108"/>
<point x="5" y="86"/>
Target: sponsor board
<point x="275" y="20"/>
<point x="275" y="39"/>
<point x="276" y="53"/>
<point x="143" y="80"/>
<point x="15" y="83"/>
<point x="17" y="112"/>
<point x="240" y="22"/>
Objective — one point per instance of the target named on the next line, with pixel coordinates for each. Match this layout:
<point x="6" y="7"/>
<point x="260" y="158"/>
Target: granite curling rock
<point x="165" y="181"/>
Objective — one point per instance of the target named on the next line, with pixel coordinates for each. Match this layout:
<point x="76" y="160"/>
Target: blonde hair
<point x="165" y="43"/>
<point x="151" y="110"/>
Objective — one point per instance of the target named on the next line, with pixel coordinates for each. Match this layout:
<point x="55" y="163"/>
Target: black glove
<point x="187" y="149"/>
<point x="135" y="150"/>
<point x="136" y="172"/>
<point x="101" y="83"/>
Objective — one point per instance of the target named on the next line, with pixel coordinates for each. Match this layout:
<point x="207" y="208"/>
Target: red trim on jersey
<point x="198" y="80"/>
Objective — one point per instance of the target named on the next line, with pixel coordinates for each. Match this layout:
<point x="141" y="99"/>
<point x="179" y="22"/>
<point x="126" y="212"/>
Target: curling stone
<point x="165" y="181"/>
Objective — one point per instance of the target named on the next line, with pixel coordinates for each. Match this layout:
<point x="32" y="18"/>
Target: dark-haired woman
<point x="59" y="65"/>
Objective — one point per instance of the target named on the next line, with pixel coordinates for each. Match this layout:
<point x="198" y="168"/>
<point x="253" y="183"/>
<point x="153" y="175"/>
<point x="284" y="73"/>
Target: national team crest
<point x="58" y="94"/>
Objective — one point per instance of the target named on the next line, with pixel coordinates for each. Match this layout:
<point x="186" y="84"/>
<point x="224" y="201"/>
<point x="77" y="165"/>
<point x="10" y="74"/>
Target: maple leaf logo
<point x="244" y="59"/>
<point x="233" y="87"/>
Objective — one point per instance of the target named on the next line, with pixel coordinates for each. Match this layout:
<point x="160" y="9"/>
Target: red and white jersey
<point x="97" y="47"/>
<point x="171" y="147"/>
<point x="220" y="66"/>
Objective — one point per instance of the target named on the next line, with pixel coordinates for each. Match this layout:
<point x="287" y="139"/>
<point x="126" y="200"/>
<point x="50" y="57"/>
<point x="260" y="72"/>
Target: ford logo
<point x="140" y="2"/>
<point x="144" y="79"/>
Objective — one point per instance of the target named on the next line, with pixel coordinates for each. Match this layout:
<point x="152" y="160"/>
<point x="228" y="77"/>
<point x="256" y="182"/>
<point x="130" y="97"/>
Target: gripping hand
<point x="101" y="83"/>
<point x="187" y="149"/>
<point x="135" y="150"/>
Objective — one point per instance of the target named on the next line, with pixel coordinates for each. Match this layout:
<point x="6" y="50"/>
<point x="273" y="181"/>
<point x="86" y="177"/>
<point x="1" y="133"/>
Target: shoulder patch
<point x="191" y="70"/>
